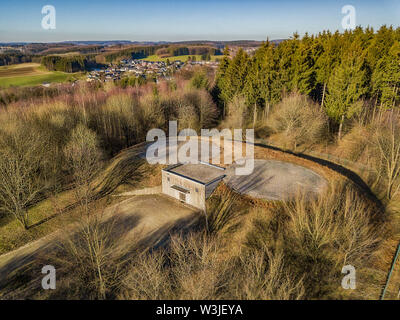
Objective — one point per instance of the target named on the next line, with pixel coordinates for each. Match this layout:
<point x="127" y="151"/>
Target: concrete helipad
<point x="276" y="180"/>
<point x="182" y="150"/>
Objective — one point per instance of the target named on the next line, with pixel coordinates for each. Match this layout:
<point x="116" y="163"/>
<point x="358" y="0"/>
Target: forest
<point x="131" y="53"/>
<point x="345" y="73"/>
<point x="161" y="51"/>
<point x="14" y="58"/>
<point x="187" y="50"/>
<point x="69" y="64"/>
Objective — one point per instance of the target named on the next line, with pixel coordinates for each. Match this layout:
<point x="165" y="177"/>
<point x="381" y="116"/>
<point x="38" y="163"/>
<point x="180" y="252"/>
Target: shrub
<point x="298" y="122"/>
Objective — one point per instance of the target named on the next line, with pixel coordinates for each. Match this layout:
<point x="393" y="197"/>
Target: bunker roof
<point x="204" y="173"/>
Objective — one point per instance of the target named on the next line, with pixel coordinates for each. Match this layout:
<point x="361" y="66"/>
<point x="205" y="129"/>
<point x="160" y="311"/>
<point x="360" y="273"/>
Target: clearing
<point x="31" y="74"/>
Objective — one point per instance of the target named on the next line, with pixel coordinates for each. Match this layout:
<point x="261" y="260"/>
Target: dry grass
<point x="193" y="268"/>
<point x="223" y="211"/>
<point x="90" y="260"/>
<point x="319" y="237"/>
<point x="263" y="275"/>
<point x="286" y="251"/>
<point x="376" y="147"/>
<point x="117" y="118"/>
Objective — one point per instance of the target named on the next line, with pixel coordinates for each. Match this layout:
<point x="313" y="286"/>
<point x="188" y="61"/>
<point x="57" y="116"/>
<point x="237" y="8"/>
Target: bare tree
<point x="90" y="257"/>
<point x="299" y="122"/>
<point x="387" y="140"/>
<point x="84" y="157"/>
<point x="20" y="173"/>
<point x="262" y="274"/>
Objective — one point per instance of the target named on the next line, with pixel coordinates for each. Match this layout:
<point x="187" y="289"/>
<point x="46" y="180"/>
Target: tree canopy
<point x="335" y="69"/>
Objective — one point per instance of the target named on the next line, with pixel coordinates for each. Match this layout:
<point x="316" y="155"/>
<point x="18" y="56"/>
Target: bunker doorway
<point x="182" y="197"/>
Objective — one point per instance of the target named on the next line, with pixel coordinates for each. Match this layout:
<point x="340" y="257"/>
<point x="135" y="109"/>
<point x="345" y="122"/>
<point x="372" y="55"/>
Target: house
<point x="191" y="183"/>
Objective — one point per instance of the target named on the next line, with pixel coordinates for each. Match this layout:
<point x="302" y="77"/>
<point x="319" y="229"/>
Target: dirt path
<point x="141" y="192"/>
<point x="145" y="218"/>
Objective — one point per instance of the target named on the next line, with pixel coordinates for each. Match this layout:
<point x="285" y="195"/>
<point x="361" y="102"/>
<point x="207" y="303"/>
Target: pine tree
<point x="337" y="69"/>
<point x="391" y="77"/>
<point x="328" y="58"/>
<point x="385" y="80"/>
<point x="304" y="70"/>
<point x="346" y="86"/>
<point x="235" y="76"/>
<point x="285" y="55"/>
<point x="221" y="78"/>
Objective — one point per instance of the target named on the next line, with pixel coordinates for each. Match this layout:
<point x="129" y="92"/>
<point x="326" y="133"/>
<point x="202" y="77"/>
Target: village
<point x="143" y="68"/>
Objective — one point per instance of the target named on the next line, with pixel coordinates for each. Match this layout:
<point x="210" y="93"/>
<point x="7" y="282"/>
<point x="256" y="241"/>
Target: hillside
<point x="31" y="74"/>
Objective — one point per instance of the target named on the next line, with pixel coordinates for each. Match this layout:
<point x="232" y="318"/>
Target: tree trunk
<point x="323" y="95"/>
<point x="254" y="116"/>
<point x="375" y="104"/>
<point x="394" y="98"/>
<point x="224" y="111"/>
<point x="340" y="128"/>
<point x="380" y="111"/>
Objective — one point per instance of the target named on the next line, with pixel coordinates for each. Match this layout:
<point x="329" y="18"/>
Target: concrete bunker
<point x="191" y="183"/>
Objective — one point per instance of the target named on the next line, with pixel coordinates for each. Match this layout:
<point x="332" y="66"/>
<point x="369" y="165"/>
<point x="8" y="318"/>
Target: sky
<point x="181" y="20"/>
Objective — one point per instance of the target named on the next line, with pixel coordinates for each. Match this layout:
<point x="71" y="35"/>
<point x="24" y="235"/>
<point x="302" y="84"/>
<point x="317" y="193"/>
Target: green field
<point x="184" y="58"/>
<point x="31" y="74"/>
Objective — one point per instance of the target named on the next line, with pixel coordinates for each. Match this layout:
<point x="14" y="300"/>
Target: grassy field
<point x="67" y="54"/>
<point x="184" y="58"/>
<point x="31" y="74"/>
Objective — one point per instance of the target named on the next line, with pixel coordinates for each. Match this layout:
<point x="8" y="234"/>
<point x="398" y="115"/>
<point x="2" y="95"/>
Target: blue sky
<point x="176" y="20"/>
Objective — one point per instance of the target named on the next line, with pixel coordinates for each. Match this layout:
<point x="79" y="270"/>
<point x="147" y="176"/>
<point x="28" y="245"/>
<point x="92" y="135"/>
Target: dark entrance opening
<point x="182" y="197"/>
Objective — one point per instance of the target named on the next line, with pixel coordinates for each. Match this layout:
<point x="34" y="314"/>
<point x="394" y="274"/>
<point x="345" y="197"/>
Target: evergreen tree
<point x="337" y="69"/>
<point x="235" y="76"/>
<point x="328" y="56"/>
<point x="391" y="77"/>
<point x="346" y="86"/>
<point x="221" y="81"/>
<point x="261" y="86"/>
<point x="303" y="65"/>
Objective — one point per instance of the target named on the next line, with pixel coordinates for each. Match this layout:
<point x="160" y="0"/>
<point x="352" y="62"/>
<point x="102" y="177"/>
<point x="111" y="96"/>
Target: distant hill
<point x="128" y="42"/>
<point x="113" y="50"/>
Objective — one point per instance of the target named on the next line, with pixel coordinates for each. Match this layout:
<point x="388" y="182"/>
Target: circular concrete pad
<point x="164" y="150"/>
<point x="276" y="180"/>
